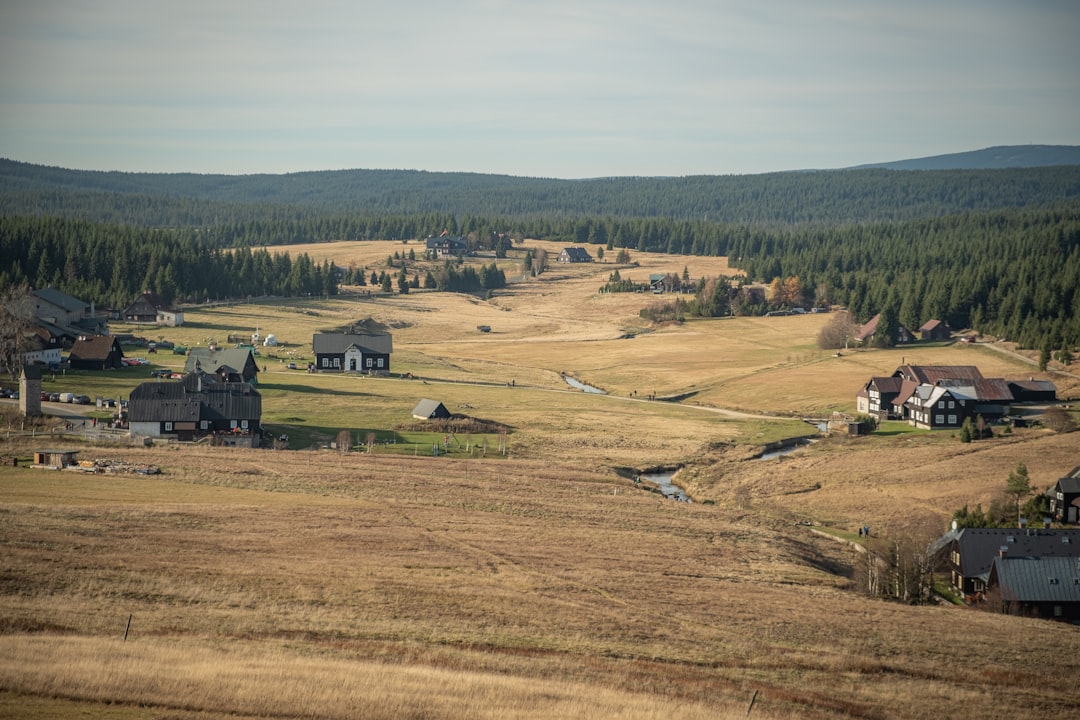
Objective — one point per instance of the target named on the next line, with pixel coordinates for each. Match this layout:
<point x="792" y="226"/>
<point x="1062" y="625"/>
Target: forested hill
<point x="814" y="197"/>
<point x="1000" y="157"/>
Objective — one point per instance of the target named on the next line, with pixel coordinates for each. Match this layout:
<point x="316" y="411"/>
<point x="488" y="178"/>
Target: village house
<point x="971" y="552"/>
<point x="348" y="352"/>
<point x="201" y="405"/>
<point x="234" y="364"/>
<point x="44" y="349"/>
<point x="150" y="308"/>
<point x="63" y="315"/>
<point x="934" y="330"/>
<point x="1038" y="587"/>
<point x="1065" y="498"/>
<point x="96" y="352"/>
<point x="865" y="334"/>
<point x="575" y="255"/>
<point x="941" y="396"/>
<point x="447" y="246"/>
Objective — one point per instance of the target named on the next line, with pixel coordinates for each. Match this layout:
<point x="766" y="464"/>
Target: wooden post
<point x="751" y="704"/>
<point x="128" y="629"/>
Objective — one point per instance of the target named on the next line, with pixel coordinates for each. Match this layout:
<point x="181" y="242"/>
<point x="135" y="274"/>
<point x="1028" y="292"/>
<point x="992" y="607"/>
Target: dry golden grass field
<point x="534" y="582"/>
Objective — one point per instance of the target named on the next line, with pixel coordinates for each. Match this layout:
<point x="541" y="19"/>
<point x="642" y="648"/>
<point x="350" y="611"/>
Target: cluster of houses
<point x="1027" y="571"/>
<point x="930" y="331"/>
<point x="943" y="396"/>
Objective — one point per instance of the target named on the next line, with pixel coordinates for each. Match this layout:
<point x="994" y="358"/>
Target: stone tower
<point x="30" y="391"/>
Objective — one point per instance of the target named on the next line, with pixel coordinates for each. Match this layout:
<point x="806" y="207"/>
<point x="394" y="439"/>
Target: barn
<point x="430" y="410"/>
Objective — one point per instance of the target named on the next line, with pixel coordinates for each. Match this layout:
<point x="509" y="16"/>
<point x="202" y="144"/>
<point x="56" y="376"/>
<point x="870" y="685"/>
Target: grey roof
<point x="335" y="343"/>
<point x="199" y="396"/>
<point x="933" y="374"/>
<point x="235" y="359"/>
<point x="1038" y="579"/>
<point x="1069" y="484"/>
<point x="979" y="546"/>
<point x="61" y="300"/>
<point x="427" y="409"/>
<point x="577" y="254"/>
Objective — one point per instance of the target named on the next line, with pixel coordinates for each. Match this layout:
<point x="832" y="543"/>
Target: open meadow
<point x="523" y="574"/>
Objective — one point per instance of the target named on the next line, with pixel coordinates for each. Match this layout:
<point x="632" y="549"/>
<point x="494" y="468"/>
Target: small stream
<point x="572" y="382"/>
<point x="667" y="488"/>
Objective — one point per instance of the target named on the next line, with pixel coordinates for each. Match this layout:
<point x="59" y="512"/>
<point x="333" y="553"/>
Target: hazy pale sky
<point x="551" y="88"/>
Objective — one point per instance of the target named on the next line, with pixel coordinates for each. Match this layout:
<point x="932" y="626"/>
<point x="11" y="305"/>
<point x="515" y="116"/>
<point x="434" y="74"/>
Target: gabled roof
<point x="95" y="347"/>
<point x="907" y="389"/>
<point x="1037" y="579"/>
<point x="337" y="343"/>
<point x="237" y="360"/>
<point x="61" y="300"/>
<point x="979" y="546"/>
<point x="986" y="390"/>
<point x="932" y="374"/>
<point x="199" y="396"/>
<point x="427" y="409"/>
<point x="886" y="385"/>
<point x="930" y="326"/>
<point x="869" y="328"/>
<point x="1041" y="386"/>
<point x="1070" y="484"/>
<point x="577" y="254"/>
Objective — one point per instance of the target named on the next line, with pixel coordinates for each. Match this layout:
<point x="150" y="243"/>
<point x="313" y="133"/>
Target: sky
<point x="537" y="88"/>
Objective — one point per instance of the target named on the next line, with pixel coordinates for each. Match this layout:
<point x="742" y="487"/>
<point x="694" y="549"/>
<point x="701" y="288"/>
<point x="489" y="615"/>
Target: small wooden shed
<point x="56" y="458"/>
<point x="430" y="410"/>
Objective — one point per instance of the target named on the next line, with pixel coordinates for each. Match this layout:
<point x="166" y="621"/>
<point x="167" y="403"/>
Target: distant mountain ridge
<point x="871" y="194"/>
<point x="1001" y="157"/>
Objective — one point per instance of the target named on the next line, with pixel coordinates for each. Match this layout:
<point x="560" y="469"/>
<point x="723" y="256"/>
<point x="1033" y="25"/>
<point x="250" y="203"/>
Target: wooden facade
<point x="347" y="352"/>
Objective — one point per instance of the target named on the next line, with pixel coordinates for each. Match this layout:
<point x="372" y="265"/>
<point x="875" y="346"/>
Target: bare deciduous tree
<point x="344" y="441"/>
<point x="837" y="332"/>
<point x="16" y="327"/>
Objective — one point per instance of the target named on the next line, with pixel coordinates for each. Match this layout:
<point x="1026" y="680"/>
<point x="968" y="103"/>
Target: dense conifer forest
<point x="996" y="250"/>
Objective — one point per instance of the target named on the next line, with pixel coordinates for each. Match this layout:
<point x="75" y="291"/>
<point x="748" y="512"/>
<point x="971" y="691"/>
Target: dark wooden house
<point x="866" y="333"/>
<point x="971" y="552"/>
<point x="96" y="352"/>
<point x="1040" y="587"/>
<point x="1065" y="498"/>
<point x="347" y="352"/>
<point x="447" y="246"/>
<point x="934" y="330"/>
<point x="575" y="255"/>
<point x="202" y="405"/>
<point x="150" y="308"/>
<point x="236" y="364"/>
<point x="1033" y="390"/>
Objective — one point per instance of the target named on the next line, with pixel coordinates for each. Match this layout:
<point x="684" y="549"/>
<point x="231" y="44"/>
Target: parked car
<point x="160" y="372"/>
<point x="54" y="397"/>
<point x="292" y="366"/>
<point x="67" y="397"/>
<point x="81" y="400"/>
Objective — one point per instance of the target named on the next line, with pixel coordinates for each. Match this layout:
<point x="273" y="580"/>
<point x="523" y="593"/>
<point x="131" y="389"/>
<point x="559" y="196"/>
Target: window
<point x="952" y="418"/>
<point x="939" y="419"/>
<point x="204" y="424"/>
<point x="326" y="362"/>
<point x="380" y="362"/>
<point x="337" y="362"/>
<point x="168" y="427"/>
<point x="244" y="424"/>
<point x="367" y="361"/>
<point x="232" y="424"/>
<point x="952" y="404"/>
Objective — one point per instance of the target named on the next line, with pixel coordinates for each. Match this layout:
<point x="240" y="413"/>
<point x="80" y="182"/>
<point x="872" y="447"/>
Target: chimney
<point x="1023" y="523"/>
<point x="1046" y="523"/>
<point x="1003" y="551"/>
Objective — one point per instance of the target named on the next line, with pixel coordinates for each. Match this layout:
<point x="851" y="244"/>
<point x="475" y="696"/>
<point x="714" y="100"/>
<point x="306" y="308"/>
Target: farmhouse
<point x="446" y="246"/>
<point x="201" y="405"/>
<point x="346" y="352"/>
<point x="44" y="349"/>
<point x="934" y="330"/>
<point x="1065" y="498"/>
<point x="96" y="352"/>
<point x="150" y="308"/>
<point x="235" y="364"/>
<point x="942" y="396"/>
<point x="575" y="255"/>
<point x="430" y="410"/>
<point x="866" y="333"/>
<point x="63" y="314"/>
<point x="1041" y="587"/>
<point x="972" y="552"/>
